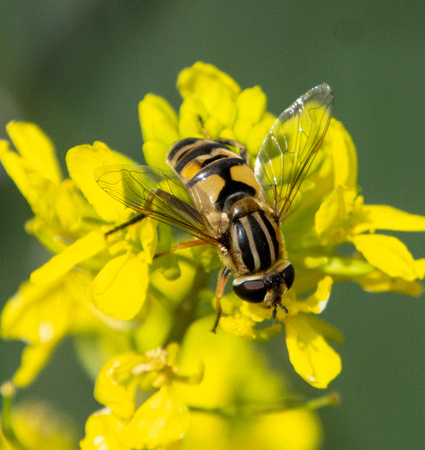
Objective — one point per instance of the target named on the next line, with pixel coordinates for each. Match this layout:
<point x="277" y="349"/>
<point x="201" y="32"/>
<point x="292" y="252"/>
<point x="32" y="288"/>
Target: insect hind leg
<point x="183" y="245"/>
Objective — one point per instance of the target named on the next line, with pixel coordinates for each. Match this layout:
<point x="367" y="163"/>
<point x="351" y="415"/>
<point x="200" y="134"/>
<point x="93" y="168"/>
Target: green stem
<point x="185" y="312"/>
<point x="8" y="392"/>
<point x="250" y="410"/>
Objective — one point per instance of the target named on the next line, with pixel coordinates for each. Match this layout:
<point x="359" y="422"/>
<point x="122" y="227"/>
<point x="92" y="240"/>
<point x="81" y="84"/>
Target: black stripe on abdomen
<point x="203" y="148"/>
<point x="272" y="234"/>
<point x="222" y="168"/>
<point x="244" y="246"/>
<point x="260" y="240"/>
<point x="256" y="242"/>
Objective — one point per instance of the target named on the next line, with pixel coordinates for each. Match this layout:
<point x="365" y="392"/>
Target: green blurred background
<point x="79" y="69"/>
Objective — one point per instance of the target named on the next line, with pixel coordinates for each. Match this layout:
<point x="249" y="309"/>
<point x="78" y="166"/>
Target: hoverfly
<point x="215" y="196"/>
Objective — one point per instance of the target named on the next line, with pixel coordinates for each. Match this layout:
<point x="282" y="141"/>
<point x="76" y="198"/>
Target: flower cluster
<point x="141" y="323"/>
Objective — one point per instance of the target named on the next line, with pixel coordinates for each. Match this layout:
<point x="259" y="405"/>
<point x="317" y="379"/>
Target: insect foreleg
<point x="133" y="220"/>
<point x="222" y="280"/>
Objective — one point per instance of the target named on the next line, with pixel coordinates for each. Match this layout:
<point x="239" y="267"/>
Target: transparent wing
<point x="155" y="193"/>
<point x="291" y="145"/>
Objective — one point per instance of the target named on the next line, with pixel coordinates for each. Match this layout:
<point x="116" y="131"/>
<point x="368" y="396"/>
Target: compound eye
<point x="253" y="291"/>
<point x="288" y="275"/>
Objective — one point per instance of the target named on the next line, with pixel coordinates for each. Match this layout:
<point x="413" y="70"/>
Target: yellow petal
<point x="82" y="162"/>
<point x="254" y="311"/>
<point x="332" y="218"/>
<point x="34" y="358"/>
<point x="116" y="385"/>
<point x="15" y="167"/>
<point x="148" y="235"/>
<point x="335" y="265"/>
<point x="57" y="205"/>
<point x="378" y="281"/>
<point x="103" y="431"/>
<point x="241" y="129"/>
<point x="221" y="387"/>
<point x="225" y="112"/>
<point x="37" y="314"/>
<point x="381" y="217"/>
<point x="318" y="301"/>
<point x="208" y="432"/>
<point x="155" y="154"/>
<point x="344" y="155"/>
<point x="302" y="431"/>
<point x="390" y="255"/>
<point x="255" y="136"/>
<point x="213" y="126"/>
<point x="251" y="104"/>
<point x="160" y="421"/>
<point x="158" y="120"/>
<point x="33" y="184"/>
<point x="41" y="316"/>
<point x="119" y="289"/>
<point x="239" y="325"/>
<point x="36" y="148"/>
<point x="329" y="332"/>
<point x="207" y="83"/>
<point x="175" y="289"/>
<point x="82" y="249"/>
<point x="312" y="357"/>
<point x="191" y="110"/>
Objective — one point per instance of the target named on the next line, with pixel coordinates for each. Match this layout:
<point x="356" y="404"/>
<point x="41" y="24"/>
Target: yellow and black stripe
<point x="225" y="190"/>
<point x="256" y="243"/>
<point x="212" y="173"/>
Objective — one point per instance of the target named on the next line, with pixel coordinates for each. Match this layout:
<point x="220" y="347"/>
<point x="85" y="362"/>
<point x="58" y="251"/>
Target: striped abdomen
<point x="255" y="240"/>
<point x="224" y="189"/>
<point x="215" y="176"/>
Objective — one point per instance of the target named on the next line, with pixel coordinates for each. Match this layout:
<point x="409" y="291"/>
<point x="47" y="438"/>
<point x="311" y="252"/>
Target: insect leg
<point x="135" y="219"/>
<point x="204" y="131"/>
<point x="282" y="307"/>
<point x="188" y="211"/>
<point x="181" y="246"/>
<point x="222" y="280"/>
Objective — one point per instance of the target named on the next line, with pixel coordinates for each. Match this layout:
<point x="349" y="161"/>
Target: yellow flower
<point x="161" y="419"/>
<point x="327" y="213"/>
<point x="226" y="408"/>
<point x="119" y="301"/>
